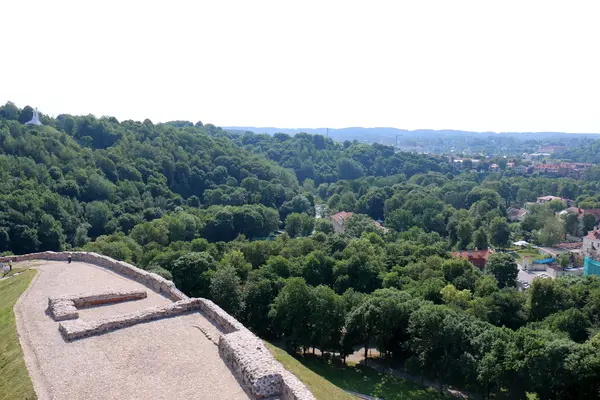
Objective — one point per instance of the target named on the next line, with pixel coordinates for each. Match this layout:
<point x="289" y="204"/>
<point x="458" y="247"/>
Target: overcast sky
<point x="471" y="65"/>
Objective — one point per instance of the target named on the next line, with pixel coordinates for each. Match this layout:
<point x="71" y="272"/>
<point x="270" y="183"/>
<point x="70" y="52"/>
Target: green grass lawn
<point x="15" y="383"/>
<point x="534" y="254"/>
<point x="325" y="379"/>
<point x="318" y="385"/>
<point x="15" y="271"/>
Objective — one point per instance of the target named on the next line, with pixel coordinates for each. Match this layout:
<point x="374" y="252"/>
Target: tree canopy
<point x="245" y="219"/>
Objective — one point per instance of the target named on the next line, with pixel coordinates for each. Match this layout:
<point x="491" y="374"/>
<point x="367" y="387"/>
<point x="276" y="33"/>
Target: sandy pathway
<point x="164" y="359"/>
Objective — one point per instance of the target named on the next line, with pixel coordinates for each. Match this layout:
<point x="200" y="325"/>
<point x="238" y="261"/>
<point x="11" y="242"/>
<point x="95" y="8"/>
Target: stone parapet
<point x="225" y="322"/>
<point x="252" y="362"/>
<point x="293" y="388"/>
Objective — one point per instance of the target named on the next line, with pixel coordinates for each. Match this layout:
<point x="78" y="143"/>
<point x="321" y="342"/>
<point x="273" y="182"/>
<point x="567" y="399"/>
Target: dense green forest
<point x="206" y="208"/>
<point x="588" y="152"/>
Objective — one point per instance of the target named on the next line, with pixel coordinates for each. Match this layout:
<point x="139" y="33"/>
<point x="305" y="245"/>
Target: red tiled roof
<point x="473" y="253"/>
<point x="516" y="212"/>
<point x="383" y="228"/>
<point x="593" y="211"/>
<point x="573" y="245"/>
<point x="594" y="235"/>
<point x="580" y="211"/>
<point x="549" y="198"/>
<point x="343" y="214"/>
<point x="546" y="167"/>
<point x="477" y="257"/>
<point x="556" y="167"/>
<point x="574" y="165"/>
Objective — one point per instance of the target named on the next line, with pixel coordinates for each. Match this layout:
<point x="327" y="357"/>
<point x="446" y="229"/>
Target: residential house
<point x="547" y="199"/>
<point x="459" y="163"/>
<point x="583" y="211"/>
<point x="381" y="227"/>
<point x="547" y="169"/>
<point x="340" y="220"/>
<point x="535" y="156"/>
<point x="516" y="214"/>
<point x="520" y="169"/>
<point x="591" y="251"/>
<point x="571" y="246"/>
<point x="552" y="149"/>
<point x="591" y="244"/>
<point x="478" y="258"/>
<point x="571" y="170"/>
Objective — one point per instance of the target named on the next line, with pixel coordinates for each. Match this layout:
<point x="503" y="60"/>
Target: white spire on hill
<point x="35" y="120"/>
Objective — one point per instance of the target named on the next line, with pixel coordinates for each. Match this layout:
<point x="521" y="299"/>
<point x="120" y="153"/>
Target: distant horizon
<point x="274" y="127"/>
<point x="247" y="127"/>
<point x="472" y="66"/>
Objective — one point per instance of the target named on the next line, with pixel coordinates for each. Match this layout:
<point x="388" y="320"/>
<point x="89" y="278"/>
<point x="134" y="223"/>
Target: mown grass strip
<point x="15" y="383"/>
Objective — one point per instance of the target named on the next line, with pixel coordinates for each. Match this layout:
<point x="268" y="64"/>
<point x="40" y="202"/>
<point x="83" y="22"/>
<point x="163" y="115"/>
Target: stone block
<point x="62" y="309"/>
<point x="225" y="322"/>
<point x="252" y="363"/>
<point x="77" y="329"/>
<point x="65" y="307"/>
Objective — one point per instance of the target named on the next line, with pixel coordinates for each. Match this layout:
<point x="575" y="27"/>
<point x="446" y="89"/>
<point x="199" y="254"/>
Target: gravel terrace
<point x="164" y="359"/>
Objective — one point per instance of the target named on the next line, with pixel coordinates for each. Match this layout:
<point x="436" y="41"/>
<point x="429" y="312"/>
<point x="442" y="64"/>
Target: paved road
<point x="362" y="396"/>
<point x="377" y="364"/>
<point x="529" y="276"/>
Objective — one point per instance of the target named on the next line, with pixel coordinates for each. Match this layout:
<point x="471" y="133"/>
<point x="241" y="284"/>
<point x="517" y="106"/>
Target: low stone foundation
<point x="65" y="307"/>
<point x="62" y="309"/>
<point x="77" y="329"/>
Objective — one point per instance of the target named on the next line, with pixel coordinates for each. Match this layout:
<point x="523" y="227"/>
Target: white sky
<point x="472" y="65"/>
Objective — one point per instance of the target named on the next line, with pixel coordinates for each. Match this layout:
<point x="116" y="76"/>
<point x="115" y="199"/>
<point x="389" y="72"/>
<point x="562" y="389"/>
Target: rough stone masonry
<point x="65" y="307"/>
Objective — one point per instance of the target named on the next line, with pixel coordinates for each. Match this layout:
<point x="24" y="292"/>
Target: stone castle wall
<point x="244" y="352"/>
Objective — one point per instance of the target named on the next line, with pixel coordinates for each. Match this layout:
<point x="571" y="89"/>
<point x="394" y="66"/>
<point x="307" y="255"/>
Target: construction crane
<point x="397" y="142"/>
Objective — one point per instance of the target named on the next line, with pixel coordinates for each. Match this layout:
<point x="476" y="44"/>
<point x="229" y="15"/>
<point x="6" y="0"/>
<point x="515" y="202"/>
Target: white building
<point x="591" y="244"/>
